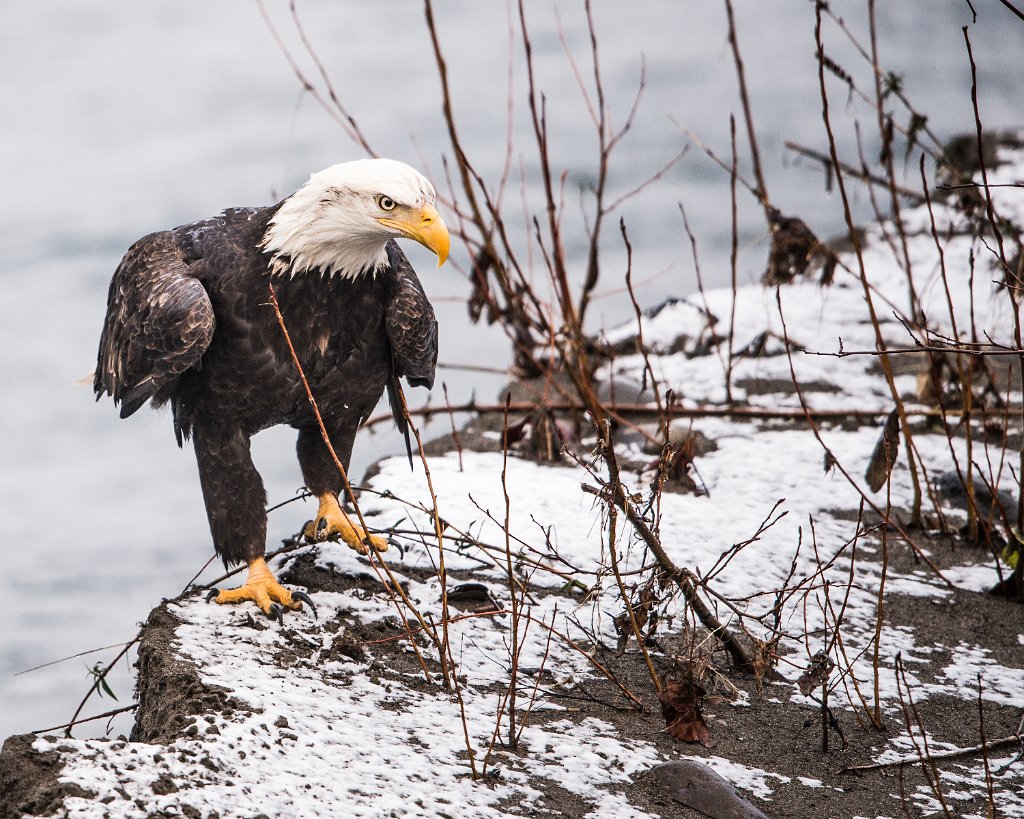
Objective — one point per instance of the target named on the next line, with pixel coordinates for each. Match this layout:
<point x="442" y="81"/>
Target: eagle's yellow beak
<point x="426" y="227"/>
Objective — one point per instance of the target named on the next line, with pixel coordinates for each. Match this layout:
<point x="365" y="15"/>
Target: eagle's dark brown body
<point x="189" y="321"/>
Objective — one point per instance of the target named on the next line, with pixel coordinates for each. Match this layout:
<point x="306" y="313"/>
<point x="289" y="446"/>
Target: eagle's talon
<point x="276" y="612"/>
<point x="393" y="541"/>
<point x="332" y="522"/>
<point x="302" y="597"/>
<point x="261" y="588"/>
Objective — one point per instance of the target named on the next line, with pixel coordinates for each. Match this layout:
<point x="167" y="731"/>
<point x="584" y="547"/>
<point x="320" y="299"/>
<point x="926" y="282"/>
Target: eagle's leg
<point x="323" y="479"/>
<point x="236" y="504"/>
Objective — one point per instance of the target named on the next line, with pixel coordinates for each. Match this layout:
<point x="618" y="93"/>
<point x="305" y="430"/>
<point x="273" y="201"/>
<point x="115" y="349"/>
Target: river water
<point x="121" y="118"/>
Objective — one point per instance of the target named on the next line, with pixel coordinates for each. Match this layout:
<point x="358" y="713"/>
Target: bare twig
<point x="863" y="174"/>
<point x="67" y="726"/>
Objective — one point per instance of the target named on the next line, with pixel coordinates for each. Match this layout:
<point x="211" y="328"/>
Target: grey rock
<point x="695" y="785"/>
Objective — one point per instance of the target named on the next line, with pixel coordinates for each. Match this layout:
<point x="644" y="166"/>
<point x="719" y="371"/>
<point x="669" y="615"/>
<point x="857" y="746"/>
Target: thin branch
<point x="67" y="726"/>
<point x="863" y="174"/>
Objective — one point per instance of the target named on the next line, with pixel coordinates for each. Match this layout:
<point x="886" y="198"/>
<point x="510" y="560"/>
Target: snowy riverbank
<point x="338" y="716"/>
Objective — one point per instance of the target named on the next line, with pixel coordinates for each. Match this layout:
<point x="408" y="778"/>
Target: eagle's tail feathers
<point x="394" y="386"/>
<point x="133" y="399"/>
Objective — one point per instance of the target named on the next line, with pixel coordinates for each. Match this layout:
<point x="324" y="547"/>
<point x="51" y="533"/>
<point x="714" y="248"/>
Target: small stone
<point x="163" y="786"/>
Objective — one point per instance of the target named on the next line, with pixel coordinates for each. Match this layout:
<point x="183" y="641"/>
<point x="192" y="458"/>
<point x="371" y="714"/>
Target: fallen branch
<point x="760" y="413"/>
<point x="931" y="757"/>
<point x="960" y="348"/>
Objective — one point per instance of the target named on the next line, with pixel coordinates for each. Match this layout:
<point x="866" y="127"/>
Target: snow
<point x="343" y="742"/>
<point x="381" y="749"/>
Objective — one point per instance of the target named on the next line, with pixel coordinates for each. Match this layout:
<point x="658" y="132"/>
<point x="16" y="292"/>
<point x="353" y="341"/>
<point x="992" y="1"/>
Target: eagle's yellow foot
<point x="331" y="519"/>
<point x="262" y="588"/>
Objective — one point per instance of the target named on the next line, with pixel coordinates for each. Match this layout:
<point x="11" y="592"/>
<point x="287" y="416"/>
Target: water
<point x="118" y="119"/>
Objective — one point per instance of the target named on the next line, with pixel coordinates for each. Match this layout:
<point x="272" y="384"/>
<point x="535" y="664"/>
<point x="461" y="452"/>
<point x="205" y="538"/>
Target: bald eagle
<point x="189" y="322"/>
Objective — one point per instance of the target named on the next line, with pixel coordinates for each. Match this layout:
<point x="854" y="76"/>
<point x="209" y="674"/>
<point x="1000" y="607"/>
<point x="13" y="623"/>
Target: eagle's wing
<point x="412" y="333"/>
<point x="159" y="323"/>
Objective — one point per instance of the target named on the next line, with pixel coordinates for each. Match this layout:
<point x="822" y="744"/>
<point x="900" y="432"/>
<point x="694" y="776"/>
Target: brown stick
<point x="754" y="413"/>
<point x="606" y="440"/>
<point x="880" y="342"/>
<point x="755" y="154"/>
<point x="69" y="725"/>
<point x="614" y="493"/>
<point x="863" y="174"/>
<point x="981" y="747"/>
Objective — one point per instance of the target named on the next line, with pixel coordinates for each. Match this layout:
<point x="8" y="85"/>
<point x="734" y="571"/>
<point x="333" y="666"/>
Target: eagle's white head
<point x="340" y="221"/>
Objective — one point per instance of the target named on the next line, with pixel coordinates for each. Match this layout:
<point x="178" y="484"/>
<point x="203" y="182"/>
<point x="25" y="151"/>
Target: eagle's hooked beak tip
<point x="427" y="228"/>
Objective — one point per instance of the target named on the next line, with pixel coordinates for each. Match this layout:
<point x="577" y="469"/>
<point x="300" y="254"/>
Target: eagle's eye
<point x="386" y="202"/>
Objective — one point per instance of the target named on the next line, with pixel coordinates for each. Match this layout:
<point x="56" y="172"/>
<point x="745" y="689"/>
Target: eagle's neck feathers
<point x="308" y="234"/>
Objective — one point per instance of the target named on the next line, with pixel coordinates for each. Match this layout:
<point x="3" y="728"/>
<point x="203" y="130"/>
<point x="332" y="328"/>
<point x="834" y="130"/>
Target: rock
<point x="29" y="783"/>
<point x="991" y="509"/>
<point x="695" y="785"/>
<point x="169" y="690"/>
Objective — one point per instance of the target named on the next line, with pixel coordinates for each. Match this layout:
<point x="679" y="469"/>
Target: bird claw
<point x="263" y="589"/>
<point x="316" y="530"/>
<point x="276" y="610"/>
<point x="302" y="597"/>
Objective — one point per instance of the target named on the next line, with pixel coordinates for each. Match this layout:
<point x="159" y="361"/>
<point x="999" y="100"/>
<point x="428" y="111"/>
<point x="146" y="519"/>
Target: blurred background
<point x="119" y="118"/>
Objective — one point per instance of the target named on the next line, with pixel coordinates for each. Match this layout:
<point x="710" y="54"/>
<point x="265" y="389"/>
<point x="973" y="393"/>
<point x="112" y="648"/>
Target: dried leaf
<point x="888" y="131"/>
<point x="816" y="673"/>
<point x="680" y="705"/>
<point x="917" y="124"/>
<point x="680" y="463"/>
<point x="793" y="249"/>
<point x="541" y="436"/>
<point x="516" y="432"/>
<point x="884" y="456"/>
<point x="643" y="603"/>
<point x="481" y="296"/>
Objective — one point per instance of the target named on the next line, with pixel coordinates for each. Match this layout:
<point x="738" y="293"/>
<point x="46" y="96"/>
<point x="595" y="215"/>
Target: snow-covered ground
<point x="357" y="743"/>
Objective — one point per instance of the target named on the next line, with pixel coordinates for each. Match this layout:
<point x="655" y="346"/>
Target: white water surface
<point x="118" y="119"/>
